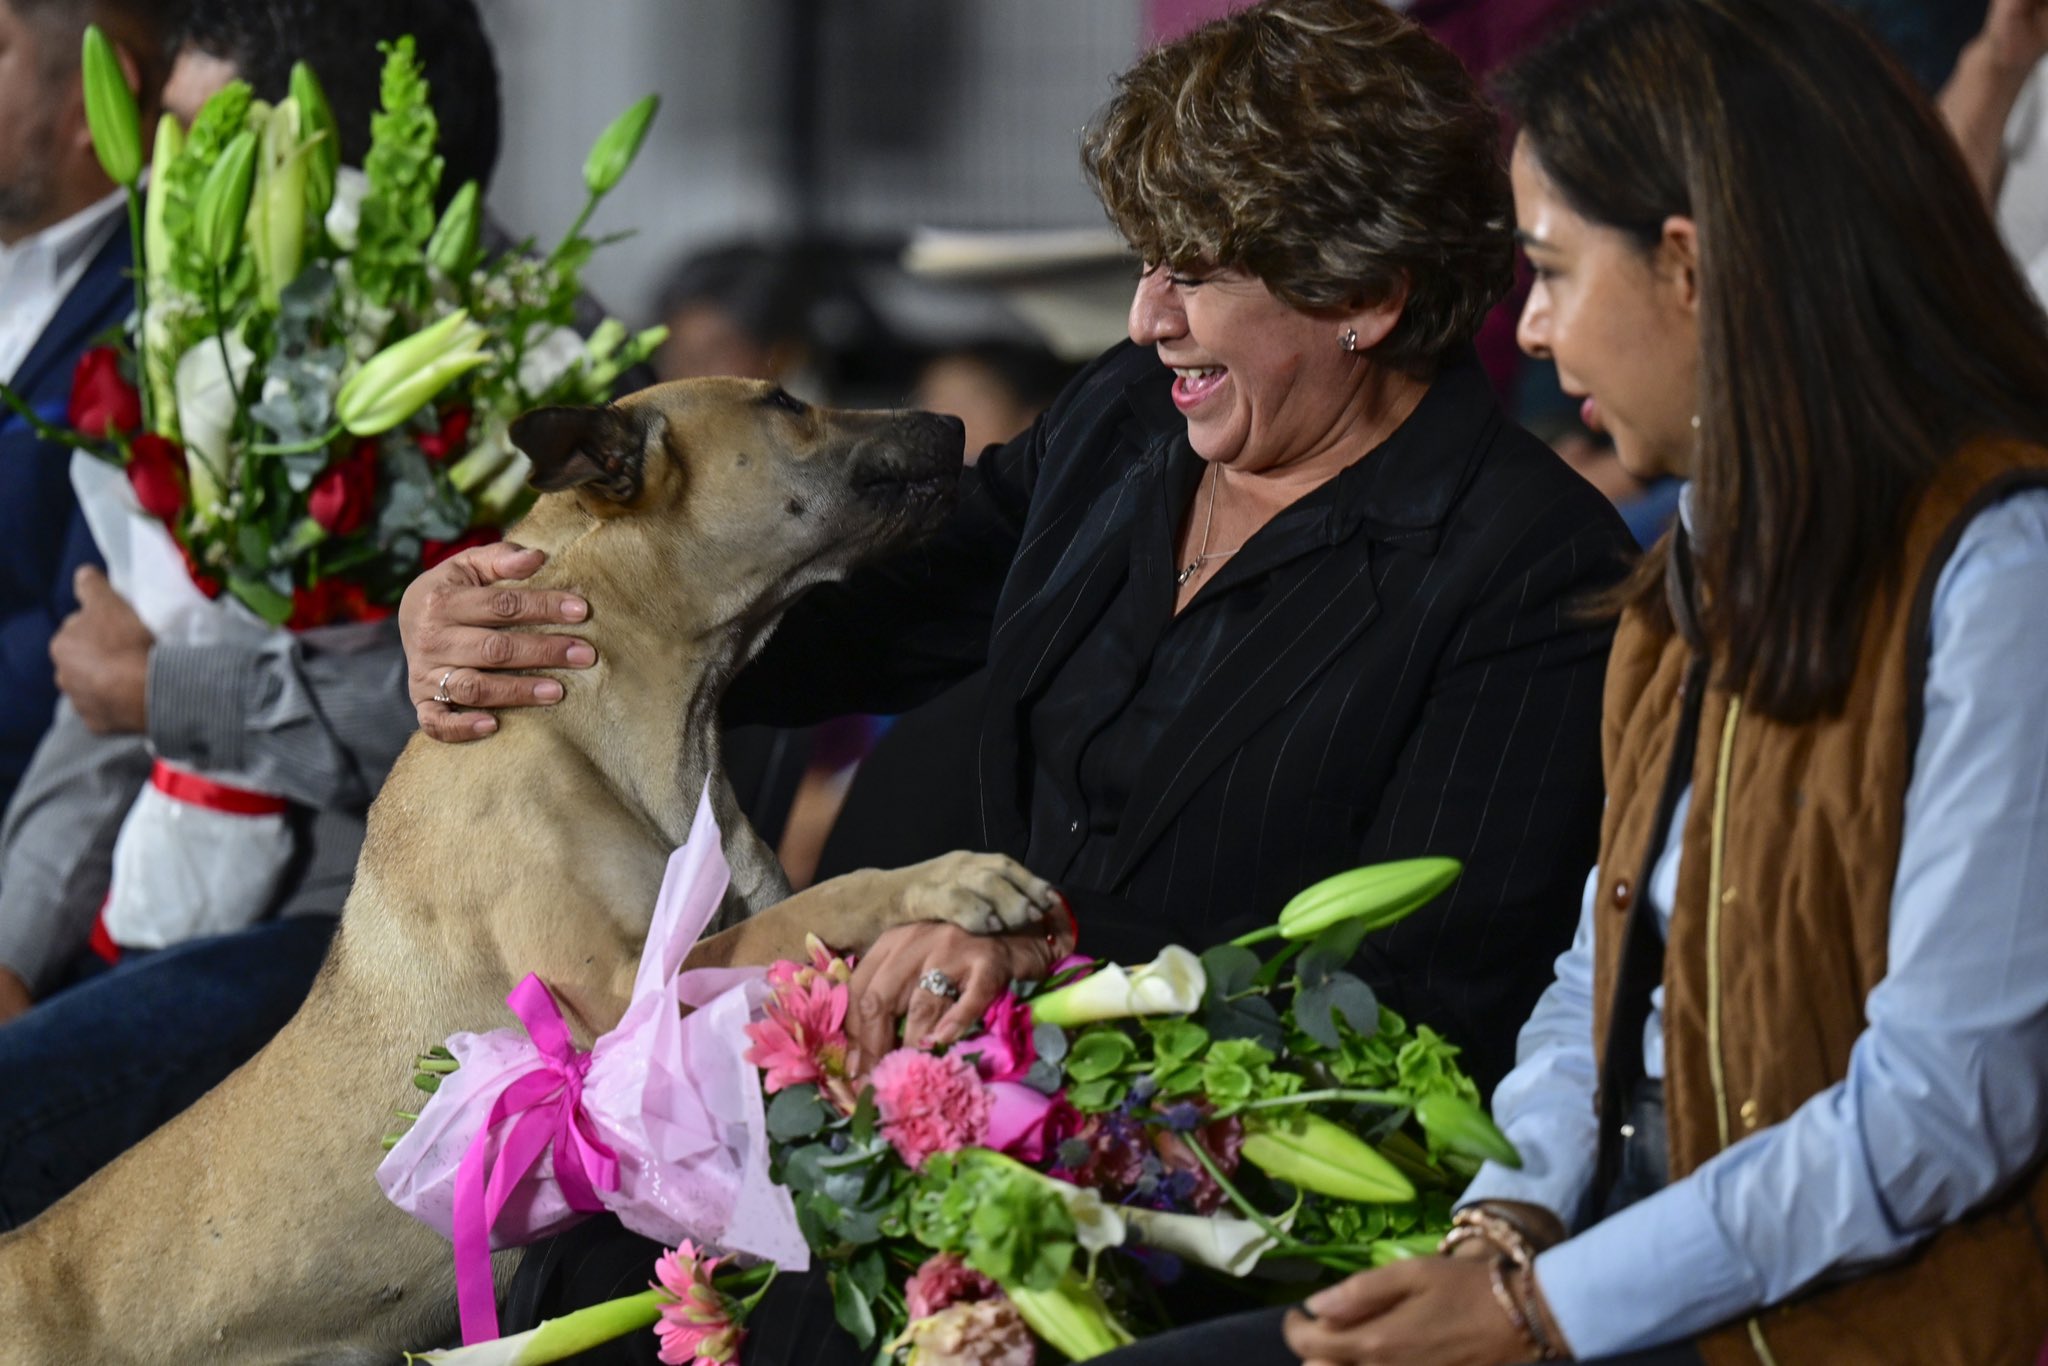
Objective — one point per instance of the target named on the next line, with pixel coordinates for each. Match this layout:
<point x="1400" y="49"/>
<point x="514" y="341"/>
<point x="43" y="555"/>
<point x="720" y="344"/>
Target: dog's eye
<point x="785" y="401"/>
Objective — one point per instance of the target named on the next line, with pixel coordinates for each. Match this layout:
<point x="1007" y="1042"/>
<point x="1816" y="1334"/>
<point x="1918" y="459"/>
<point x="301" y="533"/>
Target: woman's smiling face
<point x="1619" y="320"/>
<point x="1261" y="383"/>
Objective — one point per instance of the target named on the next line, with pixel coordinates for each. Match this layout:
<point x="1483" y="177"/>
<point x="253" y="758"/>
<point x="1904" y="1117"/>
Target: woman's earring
<point x="1349" y="341"/>
<point x="1695" y="421"/>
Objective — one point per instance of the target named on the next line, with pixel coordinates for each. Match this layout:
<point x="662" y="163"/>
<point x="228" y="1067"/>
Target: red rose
<point x="433" y="552"/>
<point x="103" y="403"/>
<point x="314" y="606"/>
<point x="205" y="582"/>
<point x="156" y="467"/>
<point x="330" y="601"/>
<point x="450" y="439"/>
<point x="340" y="500"/>
<point x="352" y="603"/>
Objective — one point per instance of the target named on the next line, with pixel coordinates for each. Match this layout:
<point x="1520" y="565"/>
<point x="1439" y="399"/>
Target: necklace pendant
<point x="1180" y="580"/>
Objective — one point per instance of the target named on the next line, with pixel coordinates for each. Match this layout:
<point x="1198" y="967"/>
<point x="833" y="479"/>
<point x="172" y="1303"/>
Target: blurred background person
<point x="996" y="387"/>
<point x="64" y="254"/>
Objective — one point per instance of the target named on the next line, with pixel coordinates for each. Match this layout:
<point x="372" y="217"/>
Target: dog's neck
<point x="661" y="662"/>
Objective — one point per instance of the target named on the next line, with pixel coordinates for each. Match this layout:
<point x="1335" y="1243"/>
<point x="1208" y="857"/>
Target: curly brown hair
<point x="1331" y="148"/>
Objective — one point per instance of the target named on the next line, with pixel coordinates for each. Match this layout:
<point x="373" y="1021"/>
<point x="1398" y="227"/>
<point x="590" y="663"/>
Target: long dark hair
<point x="1859" y="317"/>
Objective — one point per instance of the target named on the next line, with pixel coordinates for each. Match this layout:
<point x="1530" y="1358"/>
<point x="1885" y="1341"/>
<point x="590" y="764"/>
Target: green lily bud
<point x="1071" y="1317"/>
<point x="224" y="201"/>
<point x="156" y="240"/>
<point x="277" y="205"/>
<point x="1463" y="1127"/>
<point x="1313" y="1154"/>
<point x="110" y="110"/>
<point x="402" y="378"/>
<point x="617" y="145"/>
<point x="1379" y="895"/>
<point x="158" y="365"/>
<point x="316" y="123"/>
<point x="453" y="246"/>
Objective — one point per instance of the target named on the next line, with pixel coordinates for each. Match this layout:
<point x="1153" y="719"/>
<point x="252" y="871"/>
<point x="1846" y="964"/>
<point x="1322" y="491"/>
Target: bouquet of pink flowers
<point x="1102" y="1134"/>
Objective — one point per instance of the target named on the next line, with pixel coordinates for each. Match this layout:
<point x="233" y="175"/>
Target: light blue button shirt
<point x="1946" y="1100"/>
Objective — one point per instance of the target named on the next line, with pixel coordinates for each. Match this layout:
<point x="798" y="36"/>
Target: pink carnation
<point x="944" y="1280"/>
<point x="697" y="1329"/>
<point x="929" y="1104"/>
<point x="972" y="1333"/>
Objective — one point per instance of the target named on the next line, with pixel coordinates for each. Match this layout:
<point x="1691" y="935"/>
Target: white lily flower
<point x="345" y="214"/>
<point x="548" y="359"/>
<point x="206" y="412"/>
<point x="1219" y="1241"/>
<point x="1097" y="1225"/>
<point x="1171" y="984"/>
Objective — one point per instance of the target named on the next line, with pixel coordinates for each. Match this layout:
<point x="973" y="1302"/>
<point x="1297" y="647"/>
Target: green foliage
<point x="404" y="171"/>
<point x="999" y="1220"/>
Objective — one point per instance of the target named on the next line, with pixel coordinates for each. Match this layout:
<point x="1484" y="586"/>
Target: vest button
<point x="1624" y="897"/>
<point x="1751" y="1112"/>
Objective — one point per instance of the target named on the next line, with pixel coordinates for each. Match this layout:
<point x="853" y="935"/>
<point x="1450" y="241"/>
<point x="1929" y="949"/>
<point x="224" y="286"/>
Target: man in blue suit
<point x="64" y="255"/>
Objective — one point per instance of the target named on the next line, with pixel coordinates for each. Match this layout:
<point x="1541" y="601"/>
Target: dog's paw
<point x="982" y="893"/>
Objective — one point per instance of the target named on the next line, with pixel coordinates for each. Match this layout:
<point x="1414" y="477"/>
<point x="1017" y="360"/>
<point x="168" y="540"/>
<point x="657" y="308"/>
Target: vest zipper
<point x="1716" y="1069"/>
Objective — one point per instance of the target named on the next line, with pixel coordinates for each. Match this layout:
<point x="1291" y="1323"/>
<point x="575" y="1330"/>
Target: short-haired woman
<point x="1270" y="592"/>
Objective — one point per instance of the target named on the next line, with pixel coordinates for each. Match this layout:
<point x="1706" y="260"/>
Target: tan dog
<point x="250" y="1229"/>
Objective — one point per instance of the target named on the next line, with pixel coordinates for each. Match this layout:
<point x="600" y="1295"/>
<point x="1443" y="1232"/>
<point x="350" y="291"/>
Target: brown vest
<point x="1779" y="932"/>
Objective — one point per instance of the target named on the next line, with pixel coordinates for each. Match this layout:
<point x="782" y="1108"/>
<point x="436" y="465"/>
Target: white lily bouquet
<point x="311" y="405"/>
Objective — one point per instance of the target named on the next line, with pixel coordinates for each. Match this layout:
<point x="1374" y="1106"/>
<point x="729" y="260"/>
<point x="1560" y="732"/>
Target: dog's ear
<point x="603" y="449"/>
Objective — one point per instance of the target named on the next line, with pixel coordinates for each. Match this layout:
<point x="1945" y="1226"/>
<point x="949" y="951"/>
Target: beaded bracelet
<point x="1532" y="1315"/>
<point x="1503" y="1233"/>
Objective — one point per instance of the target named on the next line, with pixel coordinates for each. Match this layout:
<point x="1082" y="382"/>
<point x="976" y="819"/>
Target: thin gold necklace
<point x="1204" y="555"/>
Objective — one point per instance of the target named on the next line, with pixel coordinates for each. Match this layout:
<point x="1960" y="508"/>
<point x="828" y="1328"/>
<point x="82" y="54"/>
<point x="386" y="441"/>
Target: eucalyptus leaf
<point x="1050" y="1041"/>
<point x="1230" y="969"/>
<point x="1252" y="1018"/>
<point x="796" y="1112"/>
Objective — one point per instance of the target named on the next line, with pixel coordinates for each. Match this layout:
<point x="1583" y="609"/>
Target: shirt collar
<point x="70" y="242"/>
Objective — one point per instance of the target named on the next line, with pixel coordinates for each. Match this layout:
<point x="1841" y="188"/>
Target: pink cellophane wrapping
<point x="672" y="1095"/>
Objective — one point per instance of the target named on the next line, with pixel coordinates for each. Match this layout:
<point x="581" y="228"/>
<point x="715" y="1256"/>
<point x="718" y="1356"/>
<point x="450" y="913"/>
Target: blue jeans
<point x="95" y="1068"/>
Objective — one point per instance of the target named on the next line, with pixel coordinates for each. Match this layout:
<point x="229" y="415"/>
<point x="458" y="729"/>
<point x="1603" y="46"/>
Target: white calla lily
<point x="1171" y="984"/>
<point x="345" y="214"/>
<point x="1218" y="1241"/>
<point x="205" y="390"/>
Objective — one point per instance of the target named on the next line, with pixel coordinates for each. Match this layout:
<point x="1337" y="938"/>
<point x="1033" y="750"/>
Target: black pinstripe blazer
<point x="1426" y="684"/>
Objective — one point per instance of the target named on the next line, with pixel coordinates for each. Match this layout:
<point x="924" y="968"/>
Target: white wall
<point x="961" y="113"/>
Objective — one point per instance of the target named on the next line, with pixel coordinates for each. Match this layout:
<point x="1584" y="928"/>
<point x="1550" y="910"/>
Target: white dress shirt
<point x="37" y="273"/>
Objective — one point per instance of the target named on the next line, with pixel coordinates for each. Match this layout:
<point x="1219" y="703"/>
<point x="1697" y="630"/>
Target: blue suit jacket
<point x="43" y="537"/>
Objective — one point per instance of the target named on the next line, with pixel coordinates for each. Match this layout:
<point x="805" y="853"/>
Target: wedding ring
<point x="938" y="984"/>
<point x="441" y="693"/>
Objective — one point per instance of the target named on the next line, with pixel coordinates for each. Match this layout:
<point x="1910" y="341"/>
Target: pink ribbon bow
<point x="545" y="1106"/>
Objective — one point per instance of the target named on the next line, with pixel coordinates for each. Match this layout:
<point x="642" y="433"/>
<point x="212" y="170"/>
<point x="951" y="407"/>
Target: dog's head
<point x="777" y="493"/>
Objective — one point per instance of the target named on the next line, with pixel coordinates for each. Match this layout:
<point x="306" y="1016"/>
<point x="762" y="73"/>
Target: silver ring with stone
<point x="938" y="984"/>
<point x="441" y="692"/>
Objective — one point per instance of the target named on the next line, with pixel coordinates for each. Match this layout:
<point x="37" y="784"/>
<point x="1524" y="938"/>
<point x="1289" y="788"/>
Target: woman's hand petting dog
<point x="452" y="621"/>
<point x="887" y="983"/>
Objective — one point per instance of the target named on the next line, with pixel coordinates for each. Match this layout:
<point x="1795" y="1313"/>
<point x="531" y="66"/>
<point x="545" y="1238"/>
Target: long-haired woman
<point x="1786" y="1100"/>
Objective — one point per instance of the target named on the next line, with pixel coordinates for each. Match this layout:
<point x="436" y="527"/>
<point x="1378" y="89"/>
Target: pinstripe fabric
<point x="1418" y="685"/>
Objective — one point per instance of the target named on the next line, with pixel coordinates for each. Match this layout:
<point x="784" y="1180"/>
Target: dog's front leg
<point x="983" y="893"/>
<point x="250" y="1228"/>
